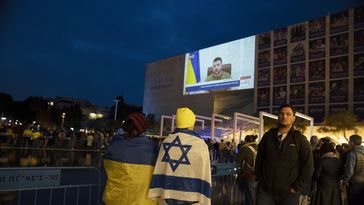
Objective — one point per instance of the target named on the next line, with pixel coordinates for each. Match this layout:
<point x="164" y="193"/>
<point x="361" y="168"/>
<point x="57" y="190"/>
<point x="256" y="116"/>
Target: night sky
<point x="96" y="50"/>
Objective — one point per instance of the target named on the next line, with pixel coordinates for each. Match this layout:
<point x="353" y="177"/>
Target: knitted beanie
<point x="185" y="118"/>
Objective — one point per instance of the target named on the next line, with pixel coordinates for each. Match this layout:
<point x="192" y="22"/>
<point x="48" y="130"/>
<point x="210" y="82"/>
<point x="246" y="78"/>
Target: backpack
<point x="252" y="167"/>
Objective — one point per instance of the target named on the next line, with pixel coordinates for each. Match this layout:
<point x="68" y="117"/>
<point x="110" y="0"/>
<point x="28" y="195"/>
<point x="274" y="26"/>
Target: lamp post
<point x="116" y="107"/>
<point x="63" y="116"/>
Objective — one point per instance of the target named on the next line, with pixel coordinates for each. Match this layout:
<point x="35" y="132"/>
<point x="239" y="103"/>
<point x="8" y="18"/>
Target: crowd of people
<point x="284" y="168"/>
<point x="36" y="137"/>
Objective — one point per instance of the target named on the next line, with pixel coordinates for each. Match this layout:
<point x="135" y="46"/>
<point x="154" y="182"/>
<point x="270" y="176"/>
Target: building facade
<point x="316" y="65"/>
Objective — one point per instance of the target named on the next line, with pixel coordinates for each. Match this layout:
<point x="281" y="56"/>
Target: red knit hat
<point x="139" y="121"/>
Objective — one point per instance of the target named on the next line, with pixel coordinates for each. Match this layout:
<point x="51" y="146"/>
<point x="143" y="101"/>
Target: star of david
<point x="183" y="158"/>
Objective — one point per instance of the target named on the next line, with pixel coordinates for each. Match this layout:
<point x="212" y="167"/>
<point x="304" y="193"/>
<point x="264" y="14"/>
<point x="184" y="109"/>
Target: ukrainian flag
<point x="129" y="164"/>
<point x="193" y="68"/>
<point x="182" y="173"/>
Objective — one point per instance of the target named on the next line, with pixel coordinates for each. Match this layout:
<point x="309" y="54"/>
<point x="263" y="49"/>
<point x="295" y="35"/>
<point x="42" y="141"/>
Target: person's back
<point x="358" y="174"/>
<point x="331" y="170"/>
<point x="354" y="171"/>
<point x="327" y="174"/>
<point x="182" y="173"/>
<point x="129" y="163"/>
<point x="246" y="178"/>
<point x="223" y="151"/>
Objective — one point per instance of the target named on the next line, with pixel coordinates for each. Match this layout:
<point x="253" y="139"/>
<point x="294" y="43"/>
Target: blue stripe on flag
<point x="181" y="184"/>
<point x="195" y="61"/>
<point x="136" y="150"/>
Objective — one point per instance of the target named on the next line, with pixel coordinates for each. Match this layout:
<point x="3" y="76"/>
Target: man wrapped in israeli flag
<point x="182" y="174"/>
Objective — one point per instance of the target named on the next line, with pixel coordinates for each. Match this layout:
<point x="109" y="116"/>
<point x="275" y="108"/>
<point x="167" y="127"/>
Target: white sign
<point x="28" y="178"/>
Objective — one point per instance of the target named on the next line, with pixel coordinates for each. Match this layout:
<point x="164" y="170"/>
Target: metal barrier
<point x="82" y="185"/>
<point x="225" y="189"/>
<point x="50" y="185"/>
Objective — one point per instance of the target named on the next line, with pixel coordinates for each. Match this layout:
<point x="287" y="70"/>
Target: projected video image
<point x="229" y="66"/>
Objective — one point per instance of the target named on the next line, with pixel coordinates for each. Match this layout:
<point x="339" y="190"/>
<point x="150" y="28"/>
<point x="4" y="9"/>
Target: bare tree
<point x="340" y="122"/>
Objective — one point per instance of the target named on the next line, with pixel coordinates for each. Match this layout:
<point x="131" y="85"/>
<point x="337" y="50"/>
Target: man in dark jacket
<point x="246" y="159"/>
<point x="284" y="163"/>
<point x="354" y="171"/>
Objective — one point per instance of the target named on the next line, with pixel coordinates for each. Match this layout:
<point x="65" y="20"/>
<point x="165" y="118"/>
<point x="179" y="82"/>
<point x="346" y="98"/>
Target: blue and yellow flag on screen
<point x="193" y="68"/>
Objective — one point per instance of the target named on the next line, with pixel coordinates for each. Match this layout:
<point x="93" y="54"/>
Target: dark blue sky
<point x="96" y="50"/>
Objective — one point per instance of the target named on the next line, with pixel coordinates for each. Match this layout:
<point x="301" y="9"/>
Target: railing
<point x="50" y="185"/>
<point x="82" y="185"/>
<point x="225" y="189"/>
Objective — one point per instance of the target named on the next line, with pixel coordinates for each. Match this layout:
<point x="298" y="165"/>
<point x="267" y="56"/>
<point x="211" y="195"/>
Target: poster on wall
<point x="300" y="109"/>
<point x="359" y="111"/>
<point x="297" y="94"/>
<point x="279" y="75"/>
<point x="359" y="17"/>
<point x="264" y="41"/>
<point x="317" y="112"/>
<point x="263" y="96"/>
<point x="359" y="41"/>
<point x="316" y="92"/>
<point x="297" y="73"/>
<point x="263" y="58"/>
<point x="339" y="22"/>
<point x="297" y="52"/>
<point x="359" y="89"/>
<point x="317" y="27"/>
<point x="339" y="67"/>
<point x="275" y="110"/>
<point x="280" y="56"/>
<point x="359" y="64"/>
<point x="263" y="109"/>
<point x="338" y="108"/>
<point x="317" y="48"/>
<point x="338" y="91"/>
<point x="263" y="77"/>
<point x="317" y="70"/>
<point x="280" y="37"/>
<point x="279" y="95"/>
<point x="228" y="66"/>
<point x="298" y="32"/>
<point x="339" y="44"/>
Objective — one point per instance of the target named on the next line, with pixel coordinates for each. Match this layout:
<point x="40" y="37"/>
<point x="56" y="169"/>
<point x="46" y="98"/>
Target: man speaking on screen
<point x="217" y="72"/>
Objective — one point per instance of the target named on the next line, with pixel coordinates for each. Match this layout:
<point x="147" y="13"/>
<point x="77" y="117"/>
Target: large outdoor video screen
<point x="228" y="66"/>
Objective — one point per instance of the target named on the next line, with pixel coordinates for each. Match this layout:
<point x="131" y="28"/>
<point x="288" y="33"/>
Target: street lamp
<point x="63" y="116"/>
<point x="116" y="107"/>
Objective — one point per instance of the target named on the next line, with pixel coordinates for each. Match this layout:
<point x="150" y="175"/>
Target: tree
<point x="340" y="122"/>
<point x="6" y="104"/>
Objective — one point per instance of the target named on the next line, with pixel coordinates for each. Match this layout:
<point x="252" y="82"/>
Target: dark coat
<point x="327" y="175"/>
<point x="284" y="165"/>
